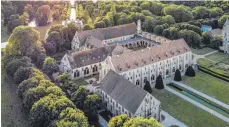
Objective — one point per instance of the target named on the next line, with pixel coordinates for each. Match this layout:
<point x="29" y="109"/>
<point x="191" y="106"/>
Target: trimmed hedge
<point x="214" y="74"/>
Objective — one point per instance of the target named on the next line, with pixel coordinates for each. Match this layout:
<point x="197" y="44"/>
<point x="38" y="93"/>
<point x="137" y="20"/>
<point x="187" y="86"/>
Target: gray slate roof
<point x="94" y="42"/>
<point x="123" y="91"/>
<point x="108" y="33"/>
<point x="91" y="56"/>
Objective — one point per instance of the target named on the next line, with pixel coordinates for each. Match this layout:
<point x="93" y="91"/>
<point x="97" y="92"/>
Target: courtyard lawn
<point x="218" y="67"/>
<point x="44" y="29"/>
<point x="202" y="51"/>
<point x="12" y="114"/>
<point x="219" y="57"/>
<point x="209" y="85"/>
<point x="186" y="112"/>
<point x="4" y="34"/>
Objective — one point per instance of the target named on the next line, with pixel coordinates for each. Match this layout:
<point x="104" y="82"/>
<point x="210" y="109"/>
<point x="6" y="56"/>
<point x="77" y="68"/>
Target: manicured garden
<point x="219" y="57"/>
<point x="213" y="66"/>
<point x="209" y="85"/>
<point x="202" y="51"/>
<point x="186" y="112"/>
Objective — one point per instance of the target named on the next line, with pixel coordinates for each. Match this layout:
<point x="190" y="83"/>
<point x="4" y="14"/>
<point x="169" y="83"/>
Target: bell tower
<point x="139" y="28"/>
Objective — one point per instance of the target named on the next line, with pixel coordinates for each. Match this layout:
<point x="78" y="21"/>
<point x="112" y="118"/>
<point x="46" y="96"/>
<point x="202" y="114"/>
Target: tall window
<point x="137" y="82"/>
<point x="77" y="73"/>
<point x="86" y="71"/>
<point x="95" y="68"/>
<point x="152" y="77"/>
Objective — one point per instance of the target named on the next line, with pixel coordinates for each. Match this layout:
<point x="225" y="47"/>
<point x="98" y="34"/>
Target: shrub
<point x="190" y="72"/>
<point x="159" y="83"/>
<point x="147" y="87"/>
<point x="177" y="76"/>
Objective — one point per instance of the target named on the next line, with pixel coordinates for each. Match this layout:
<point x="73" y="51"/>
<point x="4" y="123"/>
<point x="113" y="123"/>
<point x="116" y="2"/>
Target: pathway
<point x="196" y="56"/>
<point x="170" y="120"/>
<point x="202" y="94"/>
<point x="198" y="104"/>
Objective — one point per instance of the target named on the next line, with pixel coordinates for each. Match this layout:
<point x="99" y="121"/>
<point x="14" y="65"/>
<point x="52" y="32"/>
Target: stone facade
<point x="225" y="33"/>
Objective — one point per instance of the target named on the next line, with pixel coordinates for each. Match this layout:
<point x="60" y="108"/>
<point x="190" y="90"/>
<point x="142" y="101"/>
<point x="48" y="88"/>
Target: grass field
<point x="186" y="112"/>
<point x="4" y="34"/>
<point x="216" y="67"/>
<point x="209" y="85"/>
<point x="12" y="114"/>
<point x="219" y="57"/>
<point x="202" y="51"/>
<point x="44" y="29"/>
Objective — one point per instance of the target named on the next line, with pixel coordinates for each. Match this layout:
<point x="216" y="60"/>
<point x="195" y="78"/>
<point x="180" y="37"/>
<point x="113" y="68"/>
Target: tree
<point x="34" y="94"/>
<point x="118" y="121"/>
<point x="13" y="22"/>
<point x="206" y="38"/>
<point x="171" y="33"/>
<point x="147" y="87"/>
<point x="190" y="72"/>
<point x="43" y="15"/>
<point x="30" y="10"/>
<point x="216" y="11"/>
<point x="24" y="18"/>
<point x="177" y="76"/>
<point x="89" y="9"/>
<point x="180" y="13"/>
<point x="146" y="13"/>
<point x="7" y="9"/>
<point x="157" y="8"/>
<point x="48" y="108"/>
<point x="87" y="27"/>
<point x="142" y="122"/>
<point x="50" y="66"/>
<point x="15" y="64"/>
<point x="21" y="74"/>
<point x="192" y="38"/>
<point x="168" y="19"/>
<point x="74" y="117"/>
<point x="222" y="20"/>
<point x="72" y="28"/>
<point x="79" y="96"/>
<point x="27" y="84"/>
<point x="201" y="12"/>
<point x="145" y="5"/>
<point x="216" y="41"/>
<point x="159" y="83"/>
<point x="22" y="41"/>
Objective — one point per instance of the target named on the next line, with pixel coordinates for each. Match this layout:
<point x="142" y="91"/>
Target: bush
<point x="147" y="87"/>
<point x="21" y="74"/>
<point x="190" y="72"/>
<point x="177" y="76"/>
<point x="159" y="83"/>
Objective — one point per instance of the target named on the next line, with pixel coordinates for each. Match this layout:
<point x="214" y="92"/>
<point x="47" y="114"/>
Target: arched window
<point x="77" y="73"/>
<point x="167" y="72"/>
<point x="86" y="71"/>
<point x="95" y="68"/>
<point x="160" y="73"/>
<point x="173" y="69"/>
<point x="145" y="79"/>
<point x="186" y="66"/>
<point x="137" y="82"/>
<point x="152" y="77"/>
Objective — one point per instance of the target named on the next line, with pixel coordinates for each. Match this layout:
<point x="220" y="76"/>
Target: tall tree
<point x="118" y="121"/>
<point x="50" y="66"/>
<point x="43" y="15"/>
<point x="142" y="122"/>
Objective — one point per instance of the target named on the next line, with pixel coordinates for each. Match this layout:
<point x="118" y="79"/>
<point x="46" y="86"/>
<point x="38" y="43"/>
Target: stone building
<point x="121" y="96"/>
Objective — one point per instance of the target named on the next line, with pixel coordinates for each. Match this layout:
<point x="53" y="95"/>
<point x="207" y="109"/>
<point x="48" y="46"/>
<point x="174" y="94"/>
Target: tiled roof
<point x="108" y="33"/>
<point x="94" y="42"/>
<point x="135" y="59"/>
<point x="123" y="91"/>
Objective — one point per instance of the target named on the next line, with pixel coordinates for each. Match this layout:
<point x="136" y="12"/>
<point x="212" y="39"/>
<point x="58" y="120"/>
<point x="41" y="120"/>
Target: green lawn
<point x="219" y="57"/>
<point x="44" y="29"/>
<point x="202" y="51"/>
<point x="4" y="34"/>
<point x="209" y="85"/>
<point x="186" y="112"/>
<point x="12" y="114"/>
